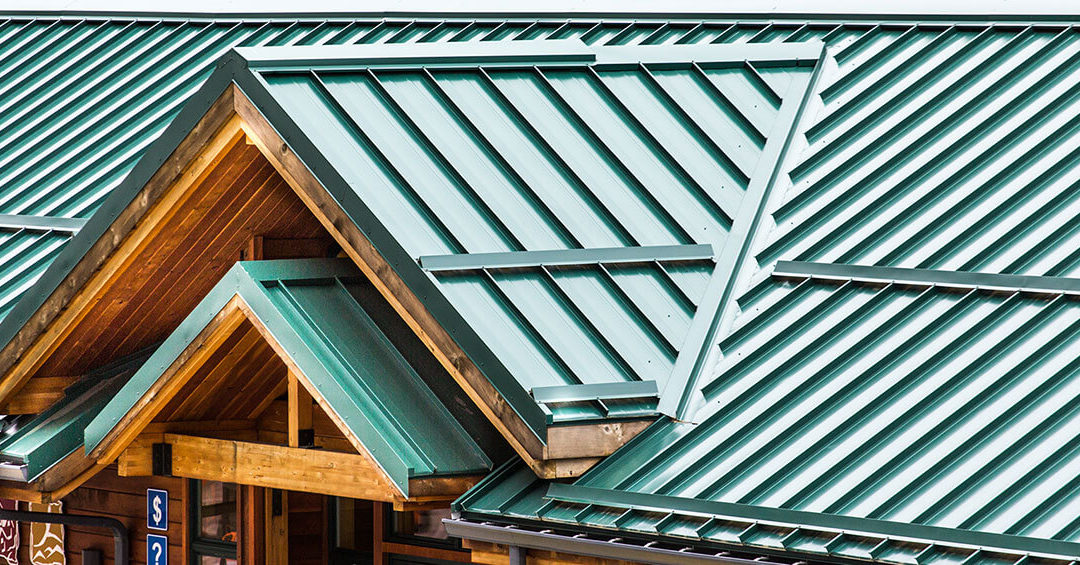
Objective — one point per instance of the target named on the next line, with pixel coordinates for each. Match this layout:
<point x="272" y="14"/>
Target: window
<point x="364" y="532"/>
<point x="214" y="523"/>
<point x="421" y="527"/>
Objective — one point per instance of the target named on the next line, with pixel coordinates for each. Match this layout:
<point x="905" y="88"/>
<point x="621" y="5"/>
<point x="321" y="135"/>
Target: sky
<point x="997" y="7"/>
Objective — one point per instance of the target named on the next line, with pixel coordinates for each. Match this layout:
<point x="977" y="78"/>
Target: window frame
<point x="199" y="546"/>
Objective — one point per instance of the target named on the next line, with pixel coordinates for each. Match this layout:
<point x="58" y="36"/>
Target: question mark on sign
<point x="157" y="551"/>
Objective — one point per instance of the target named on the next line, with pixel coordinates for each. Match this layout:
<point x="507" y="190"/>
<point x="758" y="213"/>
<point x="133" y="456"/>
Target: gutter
<point x="518" y="539"/>
<point x="13" y="471"/>
<point x="119" y="531"/>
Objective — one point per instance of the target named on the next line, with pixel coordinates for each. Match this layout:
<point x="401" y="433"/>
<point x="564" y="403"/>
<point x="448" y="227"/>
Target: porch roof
<point x="311" y="310"/>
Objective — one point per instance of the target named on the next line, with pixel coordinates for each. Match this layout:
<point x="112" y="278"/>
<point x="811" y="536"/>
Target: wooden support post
<point x="378" y="516"/>
<point x="254" y="250"/>
<point x="301" y="430"/>
<point x="277" y="526"/>
<point x="253" y="523"/>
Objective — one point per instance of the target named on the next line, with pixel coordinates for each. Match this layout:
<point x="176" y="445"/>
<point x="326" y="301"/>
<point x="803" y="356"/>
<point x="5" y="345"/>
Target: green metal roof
<point x="24" y="256"/>
<point x="561" y="198"/>
<point x="312" y="309"/>
<point x="54" y="434"/>
<point x="938" y="144"/>
<point x="915" y="412"/>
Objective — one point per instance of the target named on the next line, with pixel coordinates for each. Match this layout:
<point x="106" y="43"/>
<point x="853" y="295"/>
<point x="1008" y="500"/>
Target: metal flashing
<point x="597" y="391"/>
<point x="837" y="524"/>
<point x="677" y="398"/>
<point x="568" y="257"/>
<point x="561" y="51"/>
<point x="616" y="548"/>
<point x="928" y="277"/>
<point x="41" y="223"/>
<point x="522" y="53"/>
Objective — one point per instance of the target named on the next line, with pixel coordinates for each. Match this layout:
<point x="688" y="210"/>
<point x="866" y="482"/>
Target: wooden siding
<point x="233" y="384"/>
<point x="107" y="494"/>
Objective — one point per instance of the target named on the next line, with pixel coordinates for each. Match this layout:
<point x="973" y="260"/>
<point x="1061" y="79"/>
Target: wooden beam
<point x="263" y="465"/>
<point x="254" y="250"/>
<point x="300" y="410"/>
<point x="591" y="440"/>
<point x="37" y="395"/>
<point x="200" y="426"/>
<point x="193" y="159"/>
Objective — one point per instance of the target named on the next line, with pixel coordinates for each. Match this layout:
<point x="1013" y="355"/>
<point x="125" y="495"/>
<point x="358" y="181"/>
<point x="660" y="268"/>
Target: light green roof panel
<point x="518" y="176"/>
<point x="311" y="308"/>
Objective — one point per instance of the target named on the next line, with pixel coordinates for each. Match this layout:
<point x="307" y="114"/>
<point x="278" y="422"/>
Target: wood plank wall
<point x="123" y="498"/>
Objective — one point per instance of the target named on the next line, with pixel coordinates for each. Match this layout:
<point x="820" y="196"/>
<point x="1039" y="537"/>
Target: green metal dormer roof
<point x="312" y="309"/>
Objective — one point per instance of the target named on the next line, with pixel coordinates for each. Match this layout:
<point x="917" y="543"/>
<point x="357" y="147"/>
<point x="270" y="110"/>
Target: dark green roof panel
<point x="941" y="147"/>
<point x="941" y="400"/>
<point x="57" y="432"/>
<point x="24" y="256"/>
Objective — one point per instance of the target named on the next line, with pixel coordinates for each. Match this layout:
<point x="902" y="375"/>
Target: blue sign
<point x="157" y="509"/>
<point x="157" y="549"/>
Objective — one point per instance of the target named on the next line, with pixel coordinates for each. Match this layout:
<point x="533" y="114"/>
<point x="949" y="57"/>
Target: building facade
<point x="625" y="289"/>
